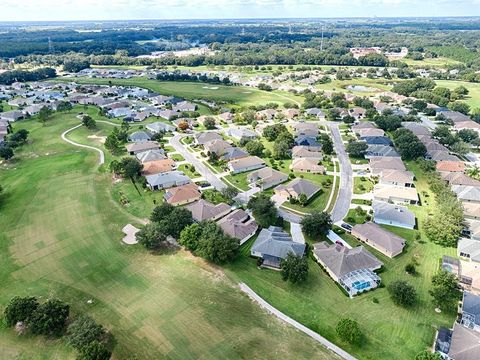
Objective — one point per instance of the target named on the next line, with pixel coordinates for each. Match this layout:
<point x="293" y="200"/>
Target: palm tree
<point x="474" y="172"/>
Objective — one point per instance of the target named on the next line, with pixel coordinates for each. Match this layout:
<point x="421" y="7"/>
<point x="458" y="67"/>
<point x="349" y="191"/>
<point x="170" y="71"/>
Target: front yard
<point x="362" y="185"/>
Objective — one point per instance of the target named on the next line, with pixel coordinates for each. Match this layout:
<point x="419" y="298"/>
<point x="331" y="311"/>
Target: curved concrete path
<point x="329" y="345"/>
<point x="64" y="138"/>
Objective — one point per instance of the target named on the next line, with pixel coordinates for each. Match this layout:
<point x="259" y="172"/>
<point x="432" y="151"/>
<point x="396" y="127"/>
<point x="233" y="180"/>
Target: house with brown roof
<point x="379" y="238"/>
<point x="158" y="166"/>
<point x="307" y="165"/>
<point x="306" y="152"/>
<point x="182" y="195"/>
<point x="205" y="137"/>
<point x="379" y="164"/>
<point x="397" y="178"/>
<point x="395" y="194"/>
<point x="297" y="187"/>
<point x="245" y="164"/>
<point x="239" y="225"/>
<point x="305" y="128"/>
<point x="457" y="178"/>
<point x="450" y="166"/>
<point x="135" y="148"/>
<point x="203" y="210"/>
<point x="266" y="178"/>
<point x="218" y="147"/>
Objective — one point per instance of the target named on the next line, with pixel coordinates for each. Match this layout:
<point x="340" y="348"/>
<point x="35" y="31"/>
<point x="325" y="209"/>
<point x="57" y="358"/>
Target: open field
<point x="238" y="95"/>
<point x="61" y="237"/>
<point x="434" y="62"/>
<point x="472" y="99"/>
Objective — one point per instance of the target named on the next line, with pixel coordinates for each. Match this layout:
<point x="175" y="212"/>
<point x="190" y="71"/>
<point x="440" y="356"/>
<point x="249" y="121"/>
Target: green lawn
<point x="239" y="180"/>
<point x="177" y="157"/>
<point x="362" y="185"/>
<point x="189" y="170"/>
<point x="435" y="62"/>
<point x="239" y="95"/>
<point x="355" y="216"/>
<point x="472" y="99"/>
<point x="61" y="237"/>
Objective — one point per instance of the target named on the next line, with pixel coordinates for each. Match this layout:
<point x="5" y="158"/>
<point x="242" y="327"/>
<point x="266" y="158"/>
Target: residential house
<point x="203" y="210"/>
<point x="379" y="238"/>
<point x="458" y="344"/>
<point x="218" y="147"/>
<point x="306" y="152"/>
<point x="227" y="117"/>
<point x="316" y="112"/>
<point x="291" y="113"/>
<point x="12" y="116"/>
<point x="139" y="136"/>
<point x="450" y="166"/>
<point x="233" y="153"/>
<point x="457" y="178"/>
<point x="167" y="180"/>
<point x="352" y="268"/>
<point x="135" y="148"/>
<point x="267" y="114"/>
<point x="467" y="194"/>
<point x="379" y="164"/>
<point x="469" y="249"/>
<point x="205" y="137"/>
<point x="440" y="155"/>
<point x="455" y="116"/>
<point x="369" y="132"/>
<point x="307" y="165"/>
<point x="380" y="151"/>
<point x="416" y="128"/>
<point x="397" y="178"/>
<point x="181" y="195"/>
<point x="241" y="133"/>
<point x="151" y="155"/>
<point x="305" y="129"/>
<point x="472" y="229"/>
<point x="246" y="164"/>
<point x="296" y="187"/>
<point x="158" y="166"/>
<point x="184" y="106"/>
<point x="239" y="225"/>
<point x="377" y="140"/>
<point x="158" y="127"/>
<point x="391" y="214"/>
<point x="266" y="178"/>
<point x="363" y="125"/>
<point x="309" y="141"/>
<point x="273" y="244"/>
<point x="471" y="210"/>
<point x="167" y="114"/>
<point x="395" y="194"/>
<point x="472" y="125"/>
<point x="470" y="312"/>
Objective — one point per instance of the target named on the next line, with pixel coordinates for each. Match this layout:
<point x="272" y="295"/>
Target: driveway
<point x="201" y="168"/>
<point x="344" y="197"/>
<point x="296" y="232"/>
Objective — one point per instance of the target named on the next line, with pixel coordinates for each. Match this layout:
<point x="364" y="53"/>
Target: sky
<point x="50" y="10"/>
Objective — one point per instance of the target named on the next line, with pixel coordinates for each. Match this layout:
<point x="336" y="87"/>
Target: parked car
<point x="346" y="226"/>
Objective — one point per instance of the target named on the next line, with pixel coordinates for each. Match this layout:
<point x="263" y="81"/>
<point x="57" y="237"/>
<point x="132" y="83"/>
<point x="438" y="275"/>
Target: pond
<point x="361" y="88"/>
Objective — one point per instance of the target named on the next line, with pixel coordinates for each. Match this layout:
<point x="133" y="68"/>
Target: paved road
<point x="344" y="197"/>
<point x="64" y="138"/>
<point x="329" y="345"/>
<point x="427" y="122"/>
<point x="201" y="168"/>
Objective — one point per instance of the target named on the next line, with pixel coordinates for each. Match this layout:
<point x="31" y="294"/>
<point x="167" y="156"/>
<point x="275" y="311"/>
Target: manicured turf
<point x="239" y="180"/>
<point x="238" y="95"/>
<point x="61" y="237"/>
<point x="472" y="99"/>
<point x="362" y="185"/>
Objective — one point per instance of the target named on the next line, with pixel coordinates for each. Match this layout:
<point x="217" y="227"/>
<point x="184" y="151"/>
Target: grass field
<point x="238" y="95"/>
<point x="435" y="62"/>
<point x="473" y="98"/>
<point x="362" y="185"/>
<point x="61" y="237"/>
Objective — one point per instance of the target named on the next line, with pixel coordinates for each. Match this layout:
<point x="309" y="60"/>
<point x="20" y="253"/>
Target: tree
<point x="151" y="236"/>
<point x="229" y="192"/>
<point x="209" y="123"/>
<point x="254" y="148"/>
<point x="468" y="135"/>
<point x="50" y="318"/>
<point x="20" y="136"/>
<point x="213" y="245"/>
<point x="348" y="119"/>
<point x="349" y="331"/>
<point x="189" y="236"/>
<point x="460" y="148"/>
<point x="44" y="114"/>
<point x="357" y="148"/>
<point x="95" y="351"/>
<point x="459" y="106"/>
<point x="445" y="291"/>
<point x="161" y="212"/>
<point x="6" y="152"/>
<point x="130" y="168"/>
<point x="64" y="106"/>
<point x="402" y="293"/>
<point x="74" y="65"/>
<point x="302" y="199"/>
<point x="327" y="144"/>
<point x="88" y="122"/>
<point x="271" y="132"/>
<point x="20" y="309"/>
<point x="428" y="355"/>
<point x="83" y="331"/>
<point x="317" y="224"/>
<point x="172" y="220"/>
<point x="388" y="122"/>
<point x="294" y="268"/>
<point x="183" y="125"/>
<point x="112" y="143"/>
<point x="264" y="210"/>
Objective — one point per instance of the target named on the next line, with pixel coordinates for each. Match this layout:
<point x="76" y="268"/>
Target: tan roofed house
<point x="455" y="178"/>
<point x="218" y="147"/>
<point x="181" y="195"/>
<point x="203" y="210"/>
<point x="471" y="210"/>
<point x="397" y="178"/>
<point x="246" y="164"/>
<point x="306" y="152"/>
<point x="308" y="165"/>
<point x="266" y="178"/>
<point x="380" y="239"/>
<point x="158" y="166"/>
<point x="239" y="225"/>
<point x="379" y="164"/>
<point x="297" y="187"/>
<point x="450" y="166"/>
<point x="134" y="148"/>
<point x="370" y="132"/>
<point x="395" y="194"/>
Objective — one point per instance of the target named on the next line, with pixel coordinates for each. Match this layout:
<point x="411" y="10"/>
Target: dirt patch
<point x="101" y="139"/>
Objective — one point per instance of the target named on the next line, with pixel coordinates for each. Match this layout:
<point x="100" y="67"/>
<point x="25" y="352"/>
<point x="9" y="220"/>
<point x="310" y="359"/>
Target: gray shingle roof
<point x="471" y="305"/>
<point x="465" y="343"/>
<point x="277" y="243"/>
<point x="395" y="213"/>
<point x="380" y="236"/>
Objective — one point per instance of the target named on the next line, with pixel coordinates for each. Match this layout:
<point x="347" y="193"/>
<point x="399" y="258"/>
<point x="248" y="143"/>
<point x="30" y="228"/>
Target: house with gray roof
<point x="12" y="116"/>
<point x="454" y="178"/>
<point x="305" y="129"/>
<point x="137" y="147"/>
<point x="297" y="187"/>
<point x="306" y="152"/>
<point x="159" y="126"/>
<point x="394" y="215"/>
<point x="245" y="164"/>
<point x="151" y="155"/>
<point x="233" y="153"/>
<point x="472" y="229"/>
<point x="377" y="140"/>
<point x="167" y="180"/>
<point x="379" y="238"/>
<point x="378" y="164"/>
<point x="397" y="178"/>
<point x="380" y="151"/>
<point x="241" y="133"/>
<point x="466" y="193"/>
<point x="469" y="249"/>
<point x="470" y="311"/>
<point x="205" y="137"/>
<point x="352" y="268"/>
<point x="416" y="128"/>
<point x="239" y="225"/>
<point x="266" y="178"/>
<point x="139" y="136"/>
<point x="273" y="244"/>
<point x="464" y="344"/>
<point x="202" y="210"/>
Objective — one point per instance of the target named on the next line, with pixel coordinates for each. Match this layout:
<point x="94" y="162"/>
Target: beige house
<point x="266" y="178"/>
<point x="395" y="194"/>
<point x="380" y="239"/>
<point x="379" y="164"/>
<point x="307" y="165"/>
<point x="203" y="210"/>
<point x="246" y="164"/>
<point x="182" y="195"/>
<point x="297" y="187"/>
<point x="306" y="152"/>
<point x="397" y="178"/>
<point x="239" y="225"/>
